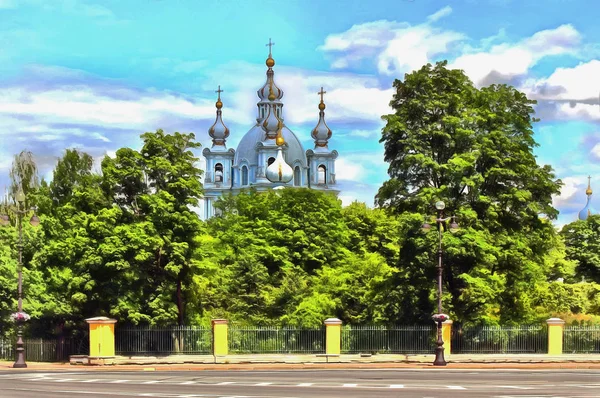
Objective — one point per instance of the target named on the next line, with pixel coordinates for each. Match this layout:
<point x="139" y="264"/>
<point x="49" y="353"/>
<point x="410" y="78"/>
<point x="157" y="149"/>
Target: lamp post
<point x="20" y="317"/>
<point x="439" y="318"/>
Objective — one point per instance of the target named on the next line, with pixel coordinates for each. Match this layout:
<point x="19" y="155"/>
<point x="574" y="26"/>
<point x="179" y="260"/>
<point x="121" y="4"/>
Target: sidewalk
<point x="281" y="361"/>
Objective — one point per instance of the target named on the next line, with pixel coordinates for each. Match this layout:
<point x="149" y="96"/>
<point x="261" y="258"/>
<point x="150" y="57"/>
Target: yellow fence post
<point x="333" y="336"/>
<point x="220" y="344"/>
<point x="102" y="336"/>
<point x="447" y="337"/>
<point x="555" y="336"/>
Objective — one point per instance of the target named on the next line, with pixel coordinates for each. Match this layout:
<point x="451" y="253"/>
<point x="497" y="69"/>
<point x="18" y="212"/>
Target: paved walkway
<point x="265" y="362"/>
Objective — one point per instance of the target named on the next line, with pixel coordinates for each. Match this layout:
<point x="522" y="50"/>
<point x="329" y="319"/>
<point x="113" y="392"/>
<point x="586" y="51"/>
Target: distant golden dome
<point x="588" y="191"/>
<point x="270" y="62"/>
<point x="219" y="104"/>
<point x="322" y="106"/>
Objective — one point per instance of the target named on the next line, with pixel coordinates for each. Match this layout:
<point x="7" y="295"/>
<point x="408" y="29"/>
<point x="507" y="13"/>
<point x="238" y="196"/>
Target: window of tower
<point x="262" y="112"/>
<point x="270" y="161"/>
<point x="322" y="174"/>
<point x="297" y="176"/>
<point x="218" y="172"/>
<point x="244" y="175"/>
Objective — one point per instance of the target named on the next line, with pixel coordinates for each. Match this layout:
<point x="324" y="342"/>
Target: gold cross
<point x="270" y="45"/>
<point x="219" y="91"/>
<point x="321" y="93"/>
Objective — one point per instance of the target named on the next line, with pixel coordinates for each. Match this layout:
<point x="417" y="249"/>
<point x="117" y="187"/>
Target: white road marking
<point x="62" y="380"/>
<point x="188" y="382"/>
<point x="304" y="384"/>
<point x="89" y="380"/>
<point x="396" y="385"/>
<point x="152" y="382"/>
<point x="263" y="384"/>
<point x="517" y="387"/>
<point x="224" y="383"/>
<point x="118" y="381"/>
<point x="456" y="388"/>
<point x="349" y="385"/>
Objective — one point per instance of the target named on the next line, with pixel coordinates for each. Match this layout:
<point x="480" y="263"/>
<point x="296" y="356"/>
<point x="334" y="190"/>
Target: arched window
<point x="297" y="176"/>
<point x="270" y="161"/>
<point x="322" y="175"/>
<point x="244" y="175"/>
<point x="218" y="172"/>
<point x="262" y="112"/>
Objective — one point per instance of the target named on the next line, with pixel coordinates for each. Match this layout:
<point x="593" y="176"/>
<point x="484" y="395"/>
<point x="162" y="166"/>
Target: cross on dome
<point x="270" y="45"/>
<point x="219" y="91"/>
<point x="321" y="93"/>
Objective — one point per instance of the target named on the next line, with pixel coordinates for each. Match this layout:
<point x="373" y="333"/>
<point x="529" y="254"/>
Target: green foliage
<point x="582" y="241"/>
<point x="472" y="148"/>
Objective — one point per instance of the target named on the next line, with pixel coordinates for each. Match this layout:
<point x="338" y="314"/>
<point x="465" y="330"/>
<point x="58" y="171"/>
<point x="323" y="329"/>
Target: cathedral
<point x="269" y="155"/>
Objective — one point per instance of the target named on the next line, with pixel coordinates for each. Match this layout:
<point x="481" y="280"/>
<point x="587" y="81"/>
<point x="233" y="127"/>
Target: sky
<point x="95" y="74"/>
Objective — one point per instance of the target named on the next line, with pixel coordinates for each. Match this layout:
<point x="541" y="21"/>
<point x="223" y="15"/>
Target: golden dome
<point x="219" y="104"/>
<point x="270" y="62"/>
<point x="588" y="191"/>
<point x="322" y="106"/>
<point x="271" y="96"/>
<point x="279" y="140"/>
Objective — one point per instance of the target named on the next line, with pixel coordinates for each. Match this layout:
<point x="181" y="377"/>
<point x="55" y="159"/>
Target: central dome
<point x="246" y="149"/>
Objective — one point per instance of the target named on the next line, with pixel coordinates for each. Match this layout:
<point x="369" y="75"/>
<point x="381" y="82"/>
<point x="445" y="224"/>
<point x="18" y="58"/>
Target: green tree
<point x="472" y="148"/>
<point x="582" y="241"/>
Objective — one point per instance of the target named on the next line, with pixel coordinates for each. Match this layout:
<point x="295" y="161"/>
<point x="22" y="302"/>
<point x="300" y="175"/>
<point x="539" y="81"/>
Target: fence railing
<point x="581" y="339"/>
<point x="147" y="340"/>
<point x="388" y="339"/>
<point x="38" y="350"/>
<point x="275" y="340"/>
<point x="500" y="340"/>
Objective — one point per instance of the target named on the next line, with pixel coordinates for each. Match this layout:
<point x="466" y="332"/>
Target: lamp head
<point x="34" y="221"/>
<point x="440" y="205"/>
<point x="453" y="225"/>
<point x="20" y="196"/>
<point x="425" y="227"/>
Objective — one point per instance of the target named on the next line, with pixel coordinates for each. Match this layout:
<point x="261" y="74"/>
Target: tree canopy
<point x="473" y="149"/>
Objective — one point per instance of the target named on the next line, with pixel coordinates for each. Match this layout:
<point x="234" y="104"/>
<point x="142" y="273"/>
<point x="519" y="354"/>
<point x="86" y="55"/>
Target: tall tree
<point x="582" y="241"/>
<point x="472" y="148"/>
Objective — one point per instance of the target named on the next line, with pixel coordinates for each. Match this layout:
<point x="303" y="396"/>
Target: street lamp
<point x="439" y="318"/>
<point x="20" y="317"/>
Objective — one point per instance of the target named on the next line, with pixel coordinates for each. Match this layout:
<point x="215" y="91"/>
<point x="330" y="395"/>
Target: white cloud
<point x="396" y="47"/>
<point x="577" y="83"/>
<point x="444" y="12"/>
<point x="346" y="169"/>
<point x="510" y="60"/>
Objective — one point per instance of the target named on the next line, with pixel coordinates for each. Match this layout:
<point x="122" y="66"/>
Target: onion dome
<point x="279" y="170"/>
<point x="587" y="210"/>
<point x="218" y="131"/>
<point x="272" y="124"/>
<point x="321" y="133"/>
<point x="269" y="91"/>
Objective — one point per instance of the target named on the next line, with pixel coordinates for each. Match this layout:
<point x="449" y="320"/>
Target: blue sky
<point x="94" y="74"/>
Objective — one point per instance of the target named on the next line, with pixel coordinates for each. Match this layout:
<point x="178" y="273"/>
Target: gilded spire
<point x="269" y="90"/>
<point x="321" y="133"/>
<point x="218" y="131"/>
<point x="588" y="191"/>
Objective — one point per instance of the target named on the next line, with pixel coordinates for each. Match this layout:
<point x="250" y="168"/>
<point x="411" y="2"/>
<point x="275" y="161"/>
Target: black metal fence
<point x="388" y="339"/>
<point x="500" y="340"/>
<point x="275" y="340"/>
<point x="147" y="340"/>
<point x="581" y="339"/>
<point x="38" y="350"/>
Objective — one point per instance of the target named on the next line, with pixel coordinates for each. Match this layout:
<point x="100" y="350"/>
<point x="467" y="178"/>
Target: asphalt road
<point x="423" y="383"/>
